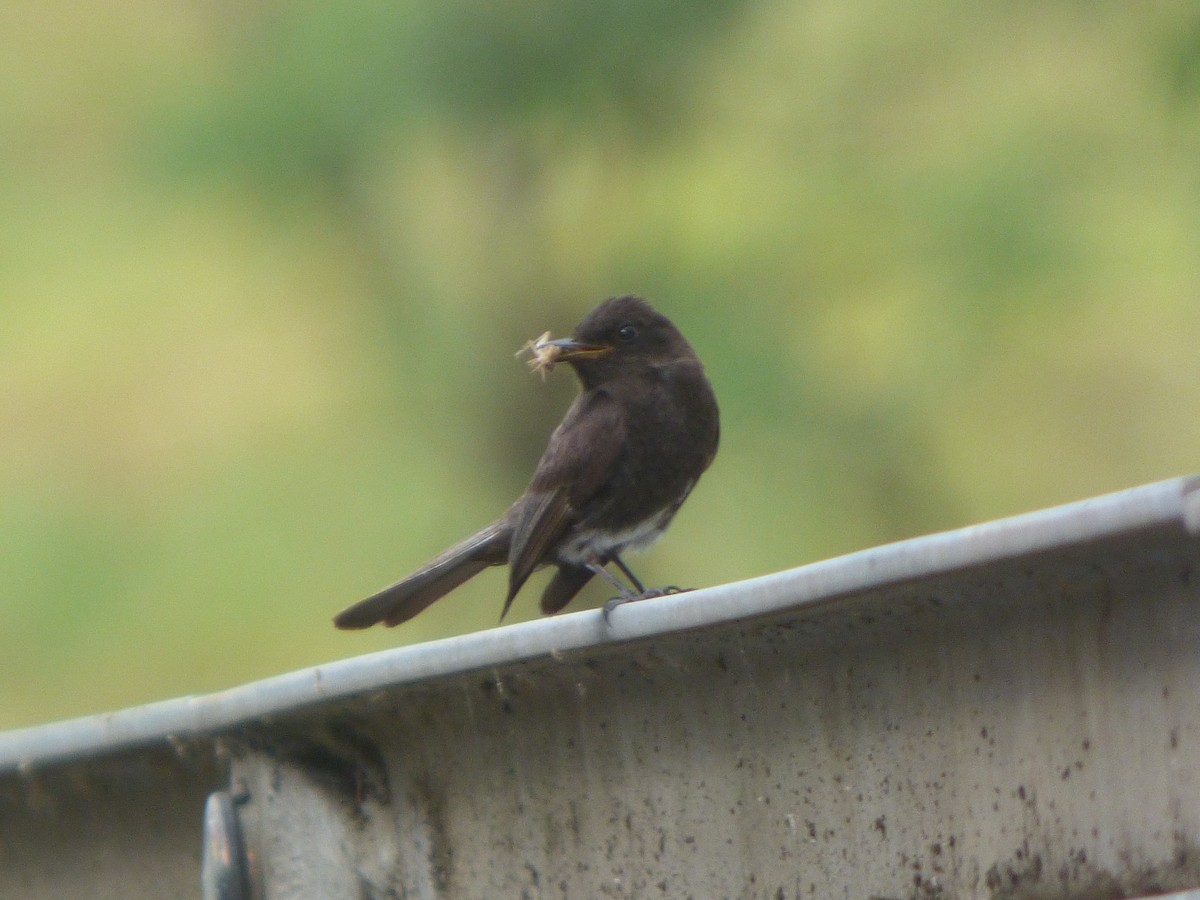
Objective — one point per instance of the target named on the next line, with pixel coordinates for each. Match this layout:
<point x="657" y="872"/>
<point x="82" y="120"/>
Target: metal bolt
<point x="223" y="868"/>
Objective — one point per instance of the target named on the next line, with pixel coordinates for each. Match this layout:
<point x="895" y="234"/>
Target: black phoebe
<point x="629" y="450"/>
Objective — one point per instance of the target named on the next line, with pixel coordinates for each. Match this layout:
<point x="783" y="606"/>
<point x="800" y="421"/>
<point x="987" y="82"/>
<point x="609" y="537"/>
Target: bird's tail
<point x="404" y="599"/>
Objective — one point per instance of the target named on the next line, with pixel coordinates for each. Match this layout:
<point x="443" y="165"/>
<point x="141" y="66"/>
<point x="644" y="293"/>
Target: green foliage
<point x="265" y="269"/>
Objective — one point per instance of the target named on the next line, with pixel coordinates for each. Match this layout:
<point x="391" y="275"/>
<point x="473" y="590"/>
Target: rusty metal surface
<point x="124" y="827"/>
<point x="1008" y="710"/>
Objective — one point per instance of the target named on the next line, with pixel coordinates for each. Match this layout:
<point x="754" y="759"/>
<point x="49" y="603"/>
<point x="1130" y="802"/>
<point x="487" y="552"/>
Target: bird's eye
<point x="627" y="332"/>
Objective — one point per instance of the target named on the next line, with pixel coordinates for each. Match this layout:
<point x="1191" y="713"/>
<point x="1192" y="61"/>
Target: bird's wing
<point x="577" y="460"/>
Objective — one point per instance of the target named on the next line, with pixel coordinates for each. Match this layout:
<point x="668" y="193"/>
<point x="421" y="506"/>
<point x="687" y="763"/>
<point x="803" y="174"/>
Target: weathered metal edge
<point x="1164" y="504"/>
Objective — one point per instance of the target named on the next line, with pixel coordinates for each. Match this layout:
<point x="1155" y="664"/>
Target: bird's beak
<point x="569" y="348"/>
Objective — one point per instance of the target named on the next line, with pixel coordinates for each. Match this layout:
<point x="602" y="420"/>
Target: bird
<point x="641" y="431"/>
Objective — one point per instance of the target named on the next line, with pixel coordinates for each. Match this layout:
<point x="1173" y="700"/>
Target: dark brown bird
<point x="628" y="452"/>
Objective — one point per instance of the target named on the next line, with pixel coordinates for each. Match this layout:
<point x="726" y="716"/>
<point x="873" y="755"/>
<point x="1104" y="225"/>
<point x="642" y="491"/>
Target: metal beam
<point x="1006" y="710"/>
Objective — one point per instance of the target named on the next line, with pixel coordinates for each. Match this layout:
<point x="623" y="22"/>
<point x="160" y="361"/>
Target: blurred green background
<point x="263" y="268"/>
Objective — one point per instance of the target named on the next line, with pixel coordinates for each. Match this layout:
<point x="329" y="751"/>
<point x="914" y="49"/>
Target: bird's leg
<point x="625" y="596"/>
<point x="644" y="593"/>
<point x="633" y="579"/>
<point x="597" y="568"/>
<point x="639" y="592"/>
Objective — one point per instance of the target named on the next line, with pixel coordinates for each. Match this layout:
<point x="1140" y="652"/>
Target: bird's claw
<point x="649" y="594"/>
<point x="611" y="604"/>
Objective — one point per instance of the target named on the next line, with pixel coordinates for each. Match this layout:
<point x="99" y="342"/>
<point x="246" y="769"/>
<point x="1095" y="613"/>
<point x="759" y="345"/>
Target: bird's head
<point x="621" y="335"/>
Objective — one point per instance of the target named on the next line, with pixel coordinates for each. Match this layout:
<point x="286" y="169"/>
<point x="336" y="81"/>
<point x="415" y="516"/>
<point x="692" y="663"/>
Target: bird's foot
<point x="648" y="594"/>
